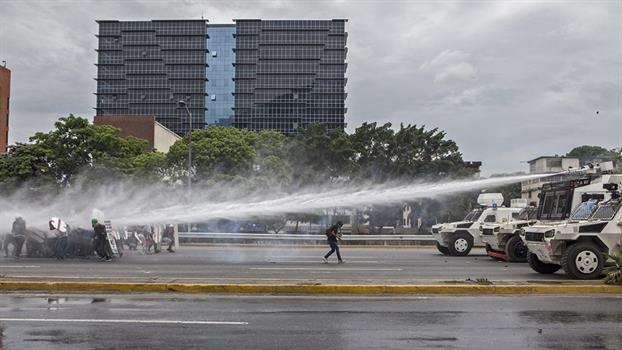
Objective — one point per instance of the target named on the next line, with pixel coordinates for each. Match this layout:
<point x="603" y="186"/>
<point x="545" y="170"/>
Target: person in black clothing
<point x="99" y="240"/>
<point x="169" y="235"/>
<point x="333" y="235"/>
<point x="19" y="235"/>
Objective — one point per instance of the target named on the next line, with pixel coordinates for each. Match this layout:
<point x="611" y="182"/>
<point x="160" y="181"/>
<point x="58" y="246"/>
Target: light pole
<point x="183" y="104"/>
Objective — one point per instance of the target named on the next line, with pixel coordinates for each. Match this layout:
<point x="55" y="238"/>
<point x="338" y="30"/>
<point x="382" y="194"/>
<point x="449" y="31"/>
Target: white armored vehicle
<point x="502" y="240"/>
<point x="458" y="238"/>
<point x="579" y="243"/>
<point x="468" y="220"/>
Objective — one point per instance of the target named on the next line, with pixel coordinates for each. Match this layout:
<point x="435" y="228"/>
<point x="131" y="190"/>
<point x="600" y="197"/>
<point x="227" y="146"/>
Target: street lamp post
<point x="184" y="105"/>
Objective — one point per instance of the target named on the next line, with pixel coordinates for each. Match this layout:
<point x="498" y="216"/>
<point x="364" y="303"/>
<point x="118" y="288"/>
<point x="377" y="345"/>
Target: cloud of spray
<point x="129" y="204"/>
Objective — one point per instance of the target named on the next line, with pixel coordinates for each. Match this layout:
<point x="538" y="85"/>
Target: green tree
<point x="383" y="154"/>
<point x="417" y="152"/>
<point x="149" y="166"/>
<point x="70" y="148"/>
<point x="270" y="163"/>
<point x="588" y="153"/>
<point x="217" y="153"/>
<point x="372" y="145"/>
<point x="318" y="155"/>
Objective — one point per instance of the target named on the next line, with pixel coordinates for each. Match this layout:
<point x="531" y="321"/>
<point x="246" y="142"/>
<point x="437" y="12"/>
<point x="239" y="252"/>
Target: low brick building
<point x="5" y="93"/>
<point x="143" y="127"/>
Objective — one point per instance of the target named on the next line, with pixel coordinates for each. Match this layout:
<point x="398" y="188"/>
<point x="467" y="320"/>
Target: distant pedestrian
<point x="333" y="235"/>
<point x="169" y="236"/>
<point x="19" y="235"/>
<point x="60" y="229"/>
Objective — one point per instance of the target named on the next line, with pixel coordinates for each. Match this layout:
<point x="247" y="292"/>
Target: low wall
<point x="275" y="239"/>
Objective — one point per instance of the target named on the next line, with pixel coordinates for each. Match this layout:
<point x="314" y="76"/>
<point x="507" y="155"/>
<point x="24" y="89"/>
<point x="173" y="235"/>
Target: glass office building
<point x="220" y="74"/>
<point x="146" y="67"/>
<point x="289" y="74"/>
<point x="256" y="74"/>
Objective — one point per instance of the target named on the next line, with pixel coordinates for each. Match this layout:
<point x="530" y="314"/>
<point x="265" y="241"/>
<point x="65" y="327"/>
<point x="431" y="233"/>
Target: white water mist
<point x="126" y="204"/>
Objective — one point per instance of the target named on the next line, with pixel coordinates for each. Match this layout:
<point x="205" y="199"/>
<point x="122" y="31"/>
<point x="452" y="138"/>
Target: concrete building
<point x="143" y="127"/>
<point x="5" y="94"/>
<point x="289" y="74"/>
<point x="146" y="67"/>
<point x="530" y="189"/>
<point x="552" y="164"/>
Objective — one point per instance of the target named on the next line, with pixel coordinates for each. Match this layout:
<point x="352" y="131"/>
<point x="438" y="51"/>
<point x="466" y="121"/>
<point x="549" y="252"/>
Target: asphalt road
<point x="237" y="264"/>
<point x="251" y="322"/>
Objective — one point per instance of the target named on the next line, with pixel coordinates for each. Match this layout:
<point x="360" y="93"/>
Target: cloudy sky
<point x="507" y="80"/>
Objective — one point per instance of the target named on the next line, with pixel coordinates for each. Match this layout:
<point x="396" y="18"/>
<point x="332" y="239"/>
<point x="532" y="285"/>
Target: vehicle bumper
<point x="543" y="252"/>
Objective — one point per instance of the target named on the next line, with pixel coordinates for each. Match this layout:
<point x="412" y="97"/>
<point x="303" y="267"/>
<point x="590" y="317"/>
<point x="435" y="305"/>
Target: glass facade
<point x="145" y="67"/>
<point x="280" y="75"/>
<point x="220" y="74"/>
<point x="289" y="74"/>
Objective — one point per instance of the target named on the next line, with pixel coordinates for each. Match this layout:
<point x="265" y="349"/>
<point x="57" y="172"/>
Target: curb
<point x="305" y="289"/>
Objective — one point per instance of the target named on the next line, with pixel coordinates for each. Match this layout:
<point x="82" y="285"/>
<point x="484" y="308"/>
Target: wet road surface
<point x="269" y="265"/>
<point x="318" y="322"/>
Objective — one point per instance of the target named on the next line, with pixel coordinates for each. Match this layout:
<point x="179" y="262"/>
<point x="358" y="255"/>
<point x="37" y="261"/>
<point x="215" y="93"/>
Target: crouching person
<point x="99" y="240"/>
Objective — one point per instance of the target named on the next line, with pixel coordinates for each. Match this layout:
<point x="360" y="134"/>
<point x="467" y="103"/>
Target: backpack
<point x="329" y="232"/>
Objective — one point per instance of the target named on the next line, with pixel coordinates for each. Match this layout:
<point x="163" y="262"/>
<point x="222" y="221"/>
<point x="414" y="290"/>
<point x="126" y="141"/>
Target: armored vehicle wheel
<point x="515" y="249"/>
<point x="539" y="266"/>
<point x="460" y="244"/>
<point x="583" y="260"/>
<point x="443" y="250"/>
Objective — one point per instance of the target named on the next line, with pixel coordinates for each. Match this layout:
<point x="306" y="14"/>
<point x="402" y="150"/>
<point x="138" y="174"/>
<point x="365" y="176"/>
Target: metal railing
<point x="302" y="237"/>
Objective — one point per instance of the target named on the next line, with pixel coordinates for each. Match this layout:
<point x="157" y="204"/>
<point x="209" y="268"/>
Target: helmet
<point x="339" y="223"/>
<point x="93" y="221"/>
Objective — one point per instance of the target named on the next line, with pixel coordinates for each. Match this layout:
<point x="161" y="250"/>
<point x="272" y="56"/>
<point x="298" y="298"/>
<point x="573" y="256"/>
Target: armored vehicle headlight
<point x="481" y="229"/>
<point x="549" y="233"/>
<point x="521" y="232"/>
<point x="496" y="229"/>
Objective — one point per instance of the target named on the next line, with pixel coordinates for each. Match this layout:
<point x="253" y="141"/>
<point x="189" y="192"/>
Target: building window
<point x="213" y="97"/>
<point x="214" y="54"/>
<point x="554" y="163"/>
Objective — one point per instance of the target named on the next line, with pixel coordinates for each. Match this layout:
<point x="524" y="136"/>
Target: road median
<point x="311" y="288"/>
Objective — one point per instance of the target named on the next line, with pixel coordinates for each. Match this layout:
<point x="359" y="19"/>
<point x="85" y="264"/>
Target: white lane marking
<point x="19" y="267"/>
<point x="120" y="321"/>
<point x="318" y="261"/>
<point x="320" y="269"/>
<point x="315" y="256"/>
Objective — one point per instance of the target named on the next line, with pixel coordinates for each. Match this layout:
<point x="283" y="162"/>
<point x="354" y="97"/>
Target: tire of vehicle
<point x="443" y="250"/>
<point x="539" y="266"/>
<point x="515" y="249"/>
<point x="460" y="244"/>
<point x="583" y="260"/>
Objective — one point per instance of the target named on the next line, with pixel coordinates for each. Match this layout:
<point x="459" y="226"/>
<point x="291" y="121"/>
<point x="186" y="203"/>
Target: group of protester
<point x="65" y="242"/>
<point x="102" y="248"/>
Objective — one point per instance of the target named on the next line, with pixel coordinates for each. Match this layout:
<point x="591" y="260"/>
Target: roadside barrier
<point x="271" y="238"/>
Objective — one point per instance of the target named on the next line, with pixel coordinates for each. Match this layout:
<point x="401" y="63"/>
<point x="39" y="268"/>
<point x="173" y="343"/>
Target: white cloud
<point x="451" y="66"/>
<point x="507" y="80"/>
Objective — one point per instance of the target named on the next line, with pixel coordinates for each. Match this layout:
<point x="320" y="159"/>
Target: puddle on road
<point x="57" y="336"/>
<point x="431" y="339"/>
<point x="570" y="317"/>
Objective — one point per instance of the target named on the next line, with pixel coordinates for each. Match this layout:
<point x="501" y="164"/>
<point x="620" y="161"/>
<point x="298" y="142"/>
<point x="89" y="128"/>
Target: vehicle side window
<point x="490" y="218"/>
<point x="515" y="216"/>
